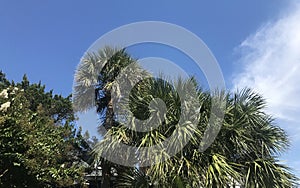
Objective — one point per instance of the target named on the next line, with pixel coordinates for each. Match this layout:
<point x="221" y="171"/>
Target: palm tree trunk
<point x="108" y="125"/>
<point x="105" y="175"/>
<point x="109" y="116"/>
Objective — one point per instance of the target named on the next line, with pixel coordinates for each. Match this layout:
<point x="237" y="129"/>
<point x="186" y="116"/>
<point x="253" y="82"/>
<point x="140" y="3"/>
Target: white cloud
<point x="271" y="65"/>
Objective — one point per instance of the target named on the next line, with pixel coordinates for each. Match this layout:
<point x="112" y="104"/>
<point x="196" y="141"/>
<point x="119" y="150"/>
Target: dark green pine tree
<point x="39" y="146"/>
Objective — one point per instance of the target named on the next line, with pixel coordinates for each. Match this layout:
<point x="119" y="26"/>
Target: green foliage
<point x="38" y="144"/>
<point x="243" y="154"/>
<point x="133" y="177"/>
<point x="3" y="81"/>
<point x="56" y="106"/>
<point x="95" y="79"/>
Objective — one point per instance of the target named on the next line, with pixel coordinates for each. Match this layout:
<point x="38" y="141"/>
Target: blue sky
<point x="255" y="43"/>
<point x="47" y="39"/>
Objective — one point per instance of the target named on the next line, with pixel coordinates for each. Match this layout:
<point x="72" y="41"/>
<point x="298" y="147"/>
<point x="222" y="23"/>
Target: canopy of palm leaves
<point x="244" y="153"/>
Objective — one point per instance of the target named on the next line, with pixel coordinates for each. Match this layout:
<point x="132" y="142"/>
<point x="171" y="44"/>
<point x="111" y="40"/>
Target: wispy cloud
<point x="270" y="64"/>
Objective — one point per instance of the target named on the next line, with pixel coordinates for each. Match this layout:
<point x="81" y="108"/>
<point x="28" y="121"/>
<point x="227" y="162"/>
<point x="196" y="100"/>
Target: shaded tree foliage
<point x="39" y="146"/>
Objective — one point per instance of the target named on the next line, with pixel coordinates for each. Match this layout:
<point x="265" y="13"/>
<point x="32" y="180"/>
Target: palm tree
<point x="244" y="153"/>
<point x="254" y="142"/>
<point x="97" y="78"/>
